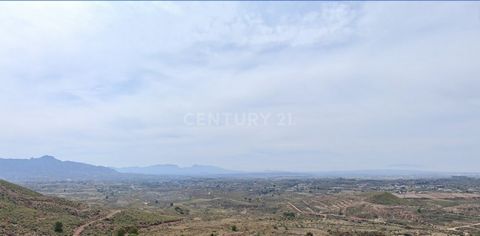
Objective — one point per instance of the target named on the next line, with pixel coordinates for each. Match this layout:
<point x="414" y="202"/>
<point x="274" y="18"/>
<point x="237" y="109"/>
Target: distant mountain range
<point x="195" y="170"/>
<point x="49" y="168"/>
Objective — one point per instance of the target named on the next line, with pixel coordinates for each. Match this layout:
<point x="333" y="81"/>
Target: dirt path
<point x="81" y="228"/>
<point x="464" y="226"/>
<point x="294" y="207"/>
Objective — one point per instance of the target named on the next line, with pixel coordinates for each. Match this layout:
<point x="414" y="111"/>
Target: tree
<point x="58" y="227"/>
<point x="234" y="228"/>
<point x="121" y="232"/>
<point x="289" y="215"/>
<point x="309" y="234"/>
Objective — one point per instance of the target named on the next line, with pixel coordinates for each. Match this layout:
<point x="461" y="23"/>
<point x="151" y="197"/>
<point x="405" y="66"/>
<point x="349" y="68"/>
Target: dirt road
<point x="81" y="228"/>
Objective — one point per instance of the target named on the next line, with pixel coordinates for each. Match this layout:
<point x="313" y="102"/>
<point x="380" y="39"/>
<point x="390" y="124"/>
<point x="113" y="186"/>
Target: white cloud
<point x="369" y="84"/>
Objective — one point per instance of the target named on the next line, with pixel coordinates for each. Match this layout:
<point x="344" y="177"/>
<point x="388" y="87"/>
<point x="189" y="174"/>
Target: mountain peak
<point x="47" y="158"/>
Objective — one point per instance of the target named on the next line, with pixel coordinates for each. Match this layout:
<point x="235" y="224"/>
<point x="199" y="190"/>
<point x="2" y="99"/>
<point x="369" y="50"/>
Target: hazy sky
<point x="361" y="85"/>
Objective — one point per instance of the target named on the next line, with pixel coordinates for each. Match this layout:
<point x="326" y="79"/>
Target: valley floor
<point x="270" y="206"/>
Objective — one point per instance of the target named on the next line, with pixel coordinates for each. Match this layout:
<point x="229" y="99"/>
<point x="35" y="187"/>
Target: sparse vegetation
<point x="222" y="207"/>
<point x="129" y="221"/>
<point x="23" y="211"/>
<point x="386" y="198"/>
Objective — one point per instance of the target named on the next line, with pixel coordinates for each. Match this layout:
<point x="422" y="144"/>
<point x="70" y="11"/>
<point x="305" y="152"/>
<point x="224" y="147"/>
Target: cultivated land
<point x="246" y="206"/>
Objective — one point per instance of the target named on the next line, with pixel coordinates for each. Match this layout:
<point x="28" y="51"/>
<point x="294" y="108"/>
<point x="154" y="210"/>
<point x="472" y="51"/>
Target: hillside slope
<point x="25" y="212"/>
<point x="388" y="199"/>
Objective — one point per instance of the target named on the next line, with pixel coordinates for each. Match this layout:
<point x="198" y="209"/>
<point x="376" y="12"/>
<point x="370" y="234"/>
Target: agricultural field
<point x="276" y="206"/>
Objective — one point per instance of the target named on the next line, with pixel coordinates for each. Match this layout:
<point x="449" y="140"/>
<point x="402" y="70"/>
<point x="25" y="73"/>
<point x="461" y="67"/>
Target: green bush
<point x="289" y="215"/>
<point x="132" y="230"/>
<point x="58" y="227"/>
<point x="121" y="232"/>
